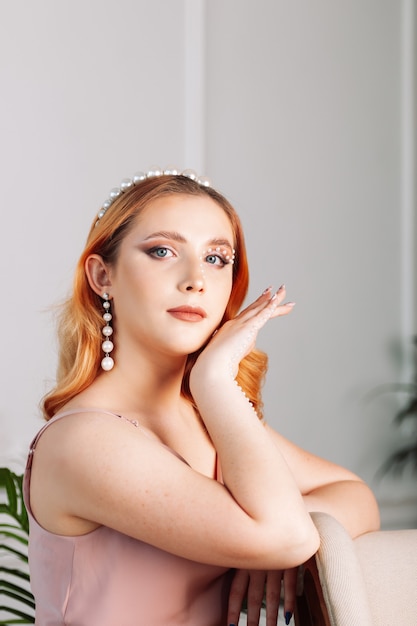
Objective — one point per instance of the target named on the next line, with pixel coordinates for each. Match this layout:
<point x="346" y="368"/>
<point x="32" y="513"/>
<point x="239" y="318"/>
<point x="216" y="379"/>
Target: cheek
<point x="224" y="292"/>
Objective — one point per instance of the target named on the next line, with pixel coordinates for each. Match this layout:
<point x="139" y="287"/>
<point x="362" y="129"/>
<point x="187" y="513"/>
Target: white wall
<point x="305" y="123"/>
<point x="295" y="110"/>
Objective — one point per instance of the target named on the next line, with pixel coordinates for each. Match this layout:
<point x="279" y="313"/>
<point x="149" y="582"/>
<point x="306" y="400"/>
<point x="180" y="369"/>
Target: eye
<point x="215" y="259"/>
<point x="160" y="252"/>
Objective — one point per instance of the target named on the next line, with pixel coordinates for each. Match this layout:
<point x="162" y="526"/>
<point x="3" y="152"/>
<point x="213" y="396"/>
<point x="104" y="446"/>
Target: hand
<point x="257" y="585"/>
<point x="237" y="337"/>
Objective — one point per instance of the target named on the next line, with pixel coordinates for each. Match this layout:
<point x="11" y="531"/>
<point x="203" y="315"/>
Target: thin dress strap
<point x="59" y="416"/>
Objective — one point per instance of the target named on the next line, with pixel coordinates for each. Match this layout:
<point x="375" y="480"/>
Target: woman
<point x="157" y="495"/>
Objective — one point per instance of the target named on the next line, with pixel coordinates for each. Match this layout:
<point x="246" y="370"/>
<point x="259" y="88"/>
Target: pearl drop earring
<point x="107" y="362"/>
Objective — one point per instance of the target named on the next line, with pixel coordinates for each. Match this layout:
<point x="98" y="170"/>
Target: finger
<point x="252" y="321"/>
<point x="265" y="300"/>
<point x="272" y="308"/>
<point x="256" y="592"/>
<point x="273" y="596"/>
<point x="283" y="309"/>
<point x="256" y="306"/>
<point x="237" y="593"/>
<point x="275" y="303"/>
<point x="290" y="586"/>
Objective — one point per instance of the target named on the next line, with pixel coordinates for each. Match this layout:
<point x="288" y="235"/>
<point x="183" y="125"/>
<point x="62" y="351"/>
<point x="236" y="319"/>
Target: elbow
<point x="374" y="514"/>
<point x="288" y="545"/>
<point x="369" y="519"/>
<point x="303" y="542"/>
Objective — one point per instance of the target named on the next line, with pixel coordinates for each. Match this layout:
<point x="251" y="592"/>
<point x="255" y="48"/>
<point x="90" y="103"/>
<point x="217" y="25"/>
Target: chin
<point x="186" y="343"/>
<point x="189" y="347"/>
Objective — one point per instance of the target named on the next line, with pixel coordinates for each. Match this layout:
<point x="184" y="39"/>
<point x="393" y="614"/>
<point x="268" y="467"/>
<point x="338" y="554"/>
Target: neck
<point x="141" y="383"/>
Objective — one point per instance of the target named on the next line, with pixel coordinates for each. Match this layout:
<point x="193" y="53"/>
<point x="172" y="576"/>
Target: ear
<point x="98" y="274"/>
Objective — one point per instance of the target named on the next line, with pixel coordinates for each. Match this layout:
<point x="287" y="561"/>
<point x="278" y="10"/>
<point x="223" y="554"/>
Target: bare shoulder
<point x="74" y="456"/>
<point x="82" y="425"/>
<point x="67" y="440"/>
<point x="90" y="442"/>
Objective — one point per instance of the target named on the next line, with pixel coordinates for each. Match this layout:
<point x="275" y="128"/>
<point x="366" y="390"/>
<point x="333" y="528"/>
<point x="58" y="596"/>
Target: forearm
<point x="351" y="502"/>
<point x="258" y="478"/>
<point x="256" y="475"/>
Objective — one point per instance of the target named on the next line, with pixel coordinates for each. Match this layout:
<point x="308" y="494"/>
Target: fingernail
<point x="264" y="294"/>
<point x="282" y="287"/>
<point x="288" y="616"/>
<point x="290" y="304"/>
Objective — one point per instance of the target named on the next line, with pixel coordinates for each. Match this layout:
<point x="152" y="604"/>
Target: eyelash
<point x="153" y="252"/>
<point x="217" y="256"/>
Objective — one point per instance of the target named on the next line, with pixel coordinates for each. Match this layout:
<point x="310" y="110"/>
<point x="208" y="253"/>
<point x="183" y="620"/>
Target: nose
<point x="193" y="278"/>
<point x="192" y="284"/>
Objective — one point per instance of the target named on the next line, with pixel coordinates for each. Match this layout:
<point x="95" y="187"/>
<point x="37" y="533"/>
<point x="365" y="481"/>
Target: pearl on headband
<point x="128" y="183"/>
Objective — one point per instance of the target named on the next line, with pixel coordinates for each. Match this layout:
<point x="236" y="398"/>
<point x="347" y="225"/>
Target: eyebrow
<point x="175" y="236"/>
<point x="165" y="234"/>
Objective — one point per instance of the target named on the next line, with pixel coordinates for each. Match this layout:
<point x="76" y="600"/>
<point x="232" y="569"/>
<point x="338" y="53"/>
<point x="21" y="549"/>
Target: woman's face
<point x="173" y="276"/>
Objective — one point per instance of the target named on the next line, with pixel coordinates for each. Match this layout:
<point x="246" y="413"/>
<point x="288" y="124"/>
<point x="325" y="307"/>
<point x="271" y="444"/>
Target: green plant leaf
<point x="410" y="410"/>
<point x="12" y="505"/>
<point x="20" y="555"/>
<point x="25" y="617"/>
<point x="17" y="592"/>
<point x="13" y="486"/>
<point x="7" y="482"/>
<point x="16" y="536"/>
<point x="397" y="462"/>
<point x="15" y="526"/>
<point x="14" y="572"/>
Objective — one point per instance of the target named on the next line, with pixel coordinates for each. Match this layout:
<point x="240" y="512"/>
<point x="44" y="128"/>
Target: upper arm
<point x="310" y="471"/>
<point x="110" y="474"/>
<point x="330" y="488"/>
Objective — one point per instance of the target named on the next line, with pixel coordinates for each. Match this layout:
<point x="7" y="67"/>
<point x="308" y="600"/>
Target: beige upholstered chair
<point x="369" y="581"/>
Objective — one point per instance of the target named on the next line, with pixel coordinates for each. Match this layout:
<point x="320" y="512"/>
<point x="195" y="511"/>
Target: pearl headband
<point x="128" y="183"/>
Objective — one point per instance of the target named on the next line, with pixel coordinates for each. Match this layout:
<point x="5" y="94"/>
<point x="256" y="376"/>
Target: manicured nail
<point x="281" y="288"/>
<point x="288" y="616"/>
<point x="290" y="304"/>
<point x="264" y="294"/>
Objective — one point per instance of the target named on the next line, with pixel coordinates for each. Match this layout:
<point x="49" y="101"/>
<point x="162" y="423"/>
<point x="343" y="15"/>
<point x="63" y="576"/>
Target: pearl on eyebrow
<point x="224" y="252"/>
<point x="202" y="266"/>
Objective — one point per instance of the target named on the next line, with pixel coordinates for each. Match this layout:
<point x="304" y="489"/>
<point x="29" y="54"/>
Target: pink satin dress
<point x="106" y="578"/>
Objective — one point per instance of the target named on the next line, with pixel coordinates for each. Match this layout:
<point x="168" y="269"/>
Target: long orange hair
<point x="80" y="321"/>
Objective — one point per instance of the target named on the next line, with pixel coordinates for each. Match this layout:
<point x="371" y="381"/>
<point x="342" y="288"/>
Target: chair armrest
<point x="333" y="588"/>
<point x="371" y="580"/>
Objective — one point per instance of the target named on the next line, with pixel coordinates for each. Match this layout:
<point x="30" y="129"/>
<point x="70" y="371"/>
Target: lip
<point x="188" y="313"/>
